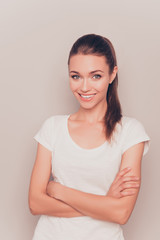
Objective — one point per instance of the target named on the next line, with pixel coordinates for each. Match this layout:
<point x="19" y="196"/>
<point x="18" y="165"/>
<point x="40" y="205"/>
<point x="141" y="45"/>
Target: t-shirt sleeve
<point x="135" y="133"/>
<point x="45" y="134"/>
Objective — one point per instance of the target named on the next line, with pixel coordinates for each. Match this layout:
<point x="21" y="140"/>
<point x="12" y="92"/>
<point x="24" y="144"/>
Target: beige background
<point x="35" y="40"/>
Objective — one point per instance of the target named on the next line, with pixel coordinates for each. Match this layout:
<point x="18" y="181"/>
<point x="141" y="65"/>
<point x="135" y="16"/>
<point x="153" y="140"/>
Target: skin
<point x="89" y="83"/>
<point x="52" y="198"/>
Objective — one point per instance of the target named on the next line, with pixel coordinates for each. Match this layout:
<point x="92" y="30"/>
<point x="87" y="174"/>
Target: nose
<point x="85" y="86"/>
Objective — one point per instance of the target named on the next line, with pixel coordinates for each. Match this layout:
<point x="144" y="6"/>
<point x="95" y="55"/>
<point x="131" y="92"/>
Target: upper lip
<point x="87" y="94"/>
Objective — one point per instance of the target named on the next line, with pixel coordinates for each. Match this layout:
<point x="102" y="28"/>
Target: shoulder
<point x="129" y="128"/>
<point x="53" y="122"/>
<point x="133" y="132"/>
<point x="126" y="124"/>
<point x="130" y="122"/>
<point x="54" y="119"/>
<point x="47" y="133"/>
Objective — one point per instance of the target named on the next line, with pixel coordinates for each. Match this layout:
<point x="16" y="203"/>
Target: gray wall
<point x="35" y="40"/>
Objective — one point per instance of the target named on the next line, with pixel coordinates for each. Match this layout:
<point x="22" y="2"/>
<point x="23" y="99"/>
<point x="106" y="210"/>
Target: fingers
<point x="130" y="178"/>
<point x="124" y="185"/>
<point x="129" y="182"/>
<point x="122" y="173"/>
<point x="129" y="185"/>
<point x="128" y="193"/>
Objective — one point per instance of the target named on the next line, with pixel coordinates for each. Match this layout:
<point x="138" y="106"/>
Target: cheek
<point x="73" y="85"/>
<point x="102" y="86"/>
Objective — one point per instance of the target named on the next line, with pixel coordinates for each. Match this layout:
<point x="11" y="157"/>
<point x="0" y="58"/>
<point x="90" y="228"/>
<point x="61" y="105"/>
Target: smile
<point x="87" y="97"/>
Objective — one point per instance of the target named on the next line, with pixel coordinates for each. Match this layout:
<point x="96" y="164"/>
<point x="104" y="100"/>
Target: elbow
<point x="33" y="206"/>
<point x="32" y="211"/>
<point x="123" y="217"/>
<point x="122" y="221"/>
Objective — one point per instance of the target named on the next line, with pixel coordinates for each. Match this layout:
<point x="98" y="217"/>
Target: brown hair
<point x="101" y="46"/>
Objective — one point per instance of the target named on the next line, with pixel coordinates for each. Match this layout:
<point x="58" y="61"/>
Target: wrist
<point x="61" y="195"/>
<point x="67" y="194"/>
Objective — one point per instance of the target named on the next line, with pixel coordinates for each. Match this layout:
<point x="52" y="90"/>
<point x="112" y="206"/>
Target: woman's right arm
<point x="39" y="202"/>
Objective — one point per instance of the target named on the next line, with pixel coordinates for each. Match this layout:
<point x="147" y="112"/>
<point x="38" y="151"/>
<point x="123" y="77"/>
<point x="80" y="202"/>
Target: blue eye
<point x="73" y="76"/>
<point x="99" y="76"/>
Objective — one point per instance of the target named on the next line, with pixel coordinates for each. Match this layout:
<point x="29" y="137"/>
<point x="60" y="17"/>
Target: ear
<point x="113" y="74"/>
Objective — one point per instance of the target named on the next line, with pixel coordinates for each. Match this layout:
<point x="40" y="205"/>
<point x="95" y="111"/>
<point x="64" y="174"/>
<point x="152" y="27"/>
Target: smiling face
<point x="89" y="79"/>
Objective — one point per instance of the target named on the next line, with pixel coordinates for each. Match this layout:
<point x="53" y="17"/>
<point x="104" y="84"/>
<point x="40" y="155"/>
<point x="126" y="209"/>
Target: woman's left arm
<point x="106" y="208"/>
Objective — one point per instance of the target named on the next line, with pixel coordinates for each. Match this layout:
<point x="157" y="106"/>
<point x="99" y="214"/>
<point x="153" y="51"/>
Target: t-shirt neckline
<point x="76" y="145"/>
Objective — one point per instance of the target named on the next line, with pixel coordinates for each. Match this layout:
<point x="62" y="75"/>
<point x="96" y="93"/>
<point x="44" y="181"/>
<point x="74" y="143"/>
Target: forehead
<point x="87" y="62"/>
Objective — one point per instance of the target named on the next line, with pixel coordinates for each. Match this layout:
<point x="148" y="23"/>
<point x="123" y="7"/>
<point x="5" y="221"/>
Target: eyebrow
<point x="90" y="72"/>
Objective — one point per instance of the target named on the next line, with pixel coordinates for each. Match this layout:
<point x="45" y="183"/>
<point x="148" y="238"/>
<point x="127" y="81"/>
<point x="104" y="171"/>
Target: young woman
<point x="93" y="154"/>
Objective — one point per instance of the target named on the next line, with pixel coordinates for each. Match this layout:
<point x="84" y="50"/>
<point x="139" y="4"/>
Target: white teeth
<point x="89" y="96"/>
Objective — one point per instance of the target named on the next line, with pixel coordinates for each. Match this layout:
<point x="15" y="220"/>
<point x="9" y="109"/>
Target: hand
<point x="123" y="185"/>
<point x="54" y="189"/>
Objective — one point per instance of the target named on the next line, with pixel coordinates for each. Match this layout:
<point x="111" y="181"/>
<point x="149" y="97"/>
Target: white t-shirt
<point x="88" y="170"/>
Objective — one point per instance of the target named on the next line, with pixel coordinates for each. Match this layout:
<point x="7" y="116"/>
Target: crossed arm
<point x="39" y="202"/>
<point x="58" y="200"/>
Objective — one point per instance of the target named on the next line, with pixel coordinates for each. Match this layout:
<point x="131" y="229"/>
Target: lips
<point x="87" y="97"/>
<point x="87" y="94"/>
